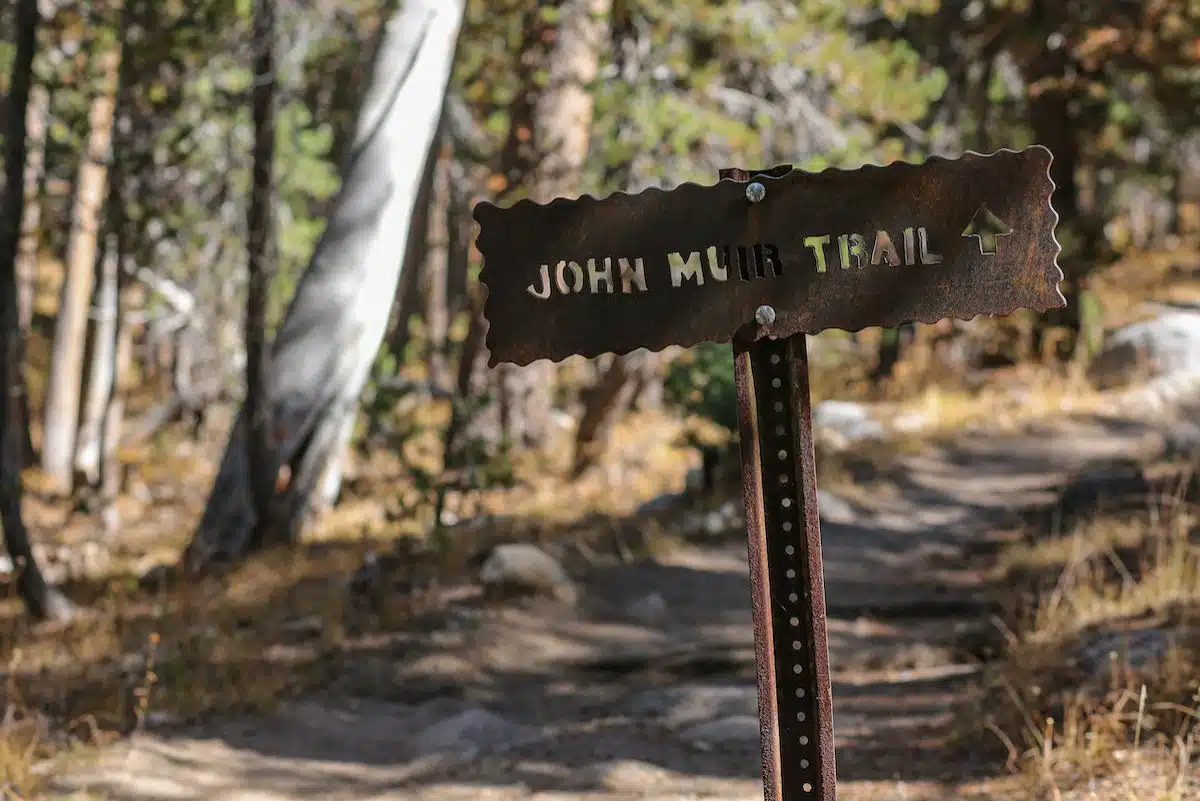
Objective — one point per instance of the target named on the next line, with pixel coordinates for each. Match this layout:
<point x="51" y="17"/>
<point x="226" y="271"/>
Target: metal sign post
<point x="761" y="260"/>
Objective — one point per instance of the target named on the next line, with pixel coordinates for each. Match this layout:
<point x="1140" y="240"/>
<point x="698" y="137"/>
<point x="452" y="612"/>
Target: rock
<point x="834" y="509"/>
<point x="1182" y="438"/>
<point x="693" y="704"/>
<point x="6" y="565"/>
<point x="651" y="610"/>
<point x="715" y="523"/>
<point x="1138" y="650"/>
<point x="1164" y="344"/>
<point x="472" y="733"/>
<point x="739" y="730"/>
<point x="524" y="569"/>
<point x="841" y="423"/>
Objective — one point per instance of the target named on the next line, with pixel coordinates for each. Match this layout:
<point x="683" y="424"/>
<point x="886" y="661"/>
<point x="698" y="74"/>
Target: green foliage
<point x="700" y="382"/>
<point x="305" y="176"/>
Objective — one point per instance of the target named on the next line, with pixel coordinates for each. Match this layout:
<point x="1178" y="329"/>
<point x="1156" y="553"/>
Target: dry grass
<point x="280" y="623"/>
<point x="1101" y="687"/>
<point x="277" y="625"/>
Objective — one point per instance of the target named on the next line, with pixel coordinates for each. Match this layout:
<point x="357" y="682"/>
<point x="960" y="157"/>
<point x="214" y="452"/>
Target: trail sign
<point x="844" y="249"/>
<point x="762" y="259"/>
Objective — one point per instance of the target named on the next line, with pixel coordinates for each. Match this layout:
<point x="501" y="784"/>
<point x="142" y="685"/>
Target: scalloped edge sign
<point x="846" y="249"/>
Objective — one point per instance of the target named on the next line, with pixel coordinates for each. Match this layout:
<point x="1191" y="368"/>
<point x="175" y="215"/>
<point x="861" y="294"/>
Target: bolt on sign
<point x="761" y="259"/>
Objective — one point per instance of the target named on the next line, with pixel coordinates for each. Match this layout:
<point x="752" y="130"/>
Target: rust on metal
<point x="876" y="246"/>
<point x="783" y="530"/>
<point x="763" y="259"/>
<point x="753" y="502"/>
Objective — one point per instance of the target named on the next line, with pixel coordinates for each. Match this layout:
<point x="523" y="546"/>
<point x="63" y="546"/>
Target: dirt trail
<point x="605" y="701"/>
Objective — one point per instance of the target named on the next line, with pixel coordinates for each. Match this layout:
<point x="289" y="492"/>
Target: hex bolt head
<point x="755" y="192"/>
<point x="764" y="315"/>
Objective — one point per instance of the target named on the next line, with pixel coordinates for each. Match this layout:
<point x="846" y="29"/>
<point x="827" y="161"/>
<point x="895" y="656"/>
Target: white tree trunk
<point x="101" y="367"/>
<point x="327" y="343"/>
<point x="61" y="414"/>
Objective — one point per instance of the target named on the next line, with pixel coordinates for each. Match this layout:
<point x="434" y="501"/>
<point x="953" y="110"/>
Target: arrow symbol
<point x="987" y="228"/>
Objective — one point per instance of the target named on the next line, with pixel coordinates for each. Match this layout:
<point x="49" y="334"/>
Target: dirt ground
<point x="644" y="689"/>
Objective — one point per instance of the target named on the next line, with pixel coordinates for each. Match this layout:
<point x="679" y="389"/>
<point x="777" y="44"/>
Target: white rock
<point x="524" y="569"/>
<point x="693" y="704"/>
<point x="834" y="509"/>
<point x="471" y="733"/>
<point x="715" y="523"/>
<point x="1165" y="344"/>
<point x="1183" y="438"/>
<point x="650" y="610"/>
<point x="840" y="423"/>
<point x="718" y="734"/>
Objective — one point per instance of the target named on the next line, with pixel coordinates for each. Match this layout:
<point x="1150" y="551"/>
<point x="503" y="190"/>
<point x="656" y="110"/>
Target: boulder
<point x="472" y="733"/>
<point x="518" y="569"/>
<point x="1168" y="343"/>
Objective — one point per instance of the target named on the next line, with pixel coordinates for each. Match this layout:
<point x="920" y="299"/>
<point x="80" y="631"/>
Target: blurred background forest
<point x="241" y="314"/>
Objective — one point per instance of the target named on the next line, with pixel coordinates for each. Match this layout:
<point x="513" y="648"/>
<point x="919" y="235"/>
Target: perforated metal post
<point x="784" y="544"/>
<point x="765" y="258"/>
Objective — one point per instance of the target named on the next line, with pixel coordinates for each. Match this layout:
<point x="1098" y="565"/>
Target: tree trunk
<point x="35" y="167"/>
<point x="437" y="314"/>
<point x="549" y="134"/>
<point x="603" y="406"/>
<point x="408" y="289"/>
<point x="42" y="600"/>
<point x="337" y="320"/>
<point x="1054" y="125"/>
<point x="648" y="389"/>
<point x="61" y="414"/>
<point x="260" y="267"/>
<point x="114" y="414"/>
<point x="101" y="363"/>
<point x="893" y="342"/>
<point x="36" y="120"/>
<point x="614" y="393"/>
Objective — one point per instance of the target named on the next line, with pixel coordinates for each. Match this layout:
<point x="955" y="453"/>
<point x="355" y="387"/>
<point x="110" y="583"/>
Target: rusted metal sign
<point x="836" y="249"/>
<point x="763" y="259"/>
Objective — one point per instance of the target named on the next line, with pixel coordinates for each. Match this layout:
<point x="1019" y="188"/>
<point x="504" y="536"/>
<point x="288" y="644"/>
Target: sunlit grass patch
<point x="1102" y="679"/>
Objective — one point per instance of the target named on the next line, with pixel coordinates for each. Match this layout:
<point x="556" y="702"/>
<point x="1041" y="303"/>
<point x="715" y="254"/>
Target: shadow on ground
<point x="475" y="700"/>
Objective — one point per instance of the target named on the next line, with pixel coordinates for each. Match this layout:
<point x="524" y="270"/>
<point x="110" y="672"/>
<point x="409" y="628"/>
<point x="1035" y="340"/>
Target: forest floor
<point x="928" y="560"/>
<point x="1014" y="613"/>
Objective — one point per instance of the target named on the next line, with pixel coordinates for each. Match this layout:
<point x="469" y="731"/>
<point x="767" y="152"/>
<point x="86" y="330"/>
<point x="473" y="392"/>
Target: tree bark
<point x="61" y="414"/>
<point x="408" y="290"/>
<point x="35" y="167"/>
<point x="36" y="120"/>
<point x="337" y="320"/>
<point x="42" y="600"/>
<point x="437" y="313"/>
<point x="557" y="119"/>
<point x="622" y="382"/>
<point x="101" y="364"/>
<point x="603" y="405"/>
<point x="260" y="267"/>
<point x="1054" y="125"/>
<point x="893" y="342"/>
